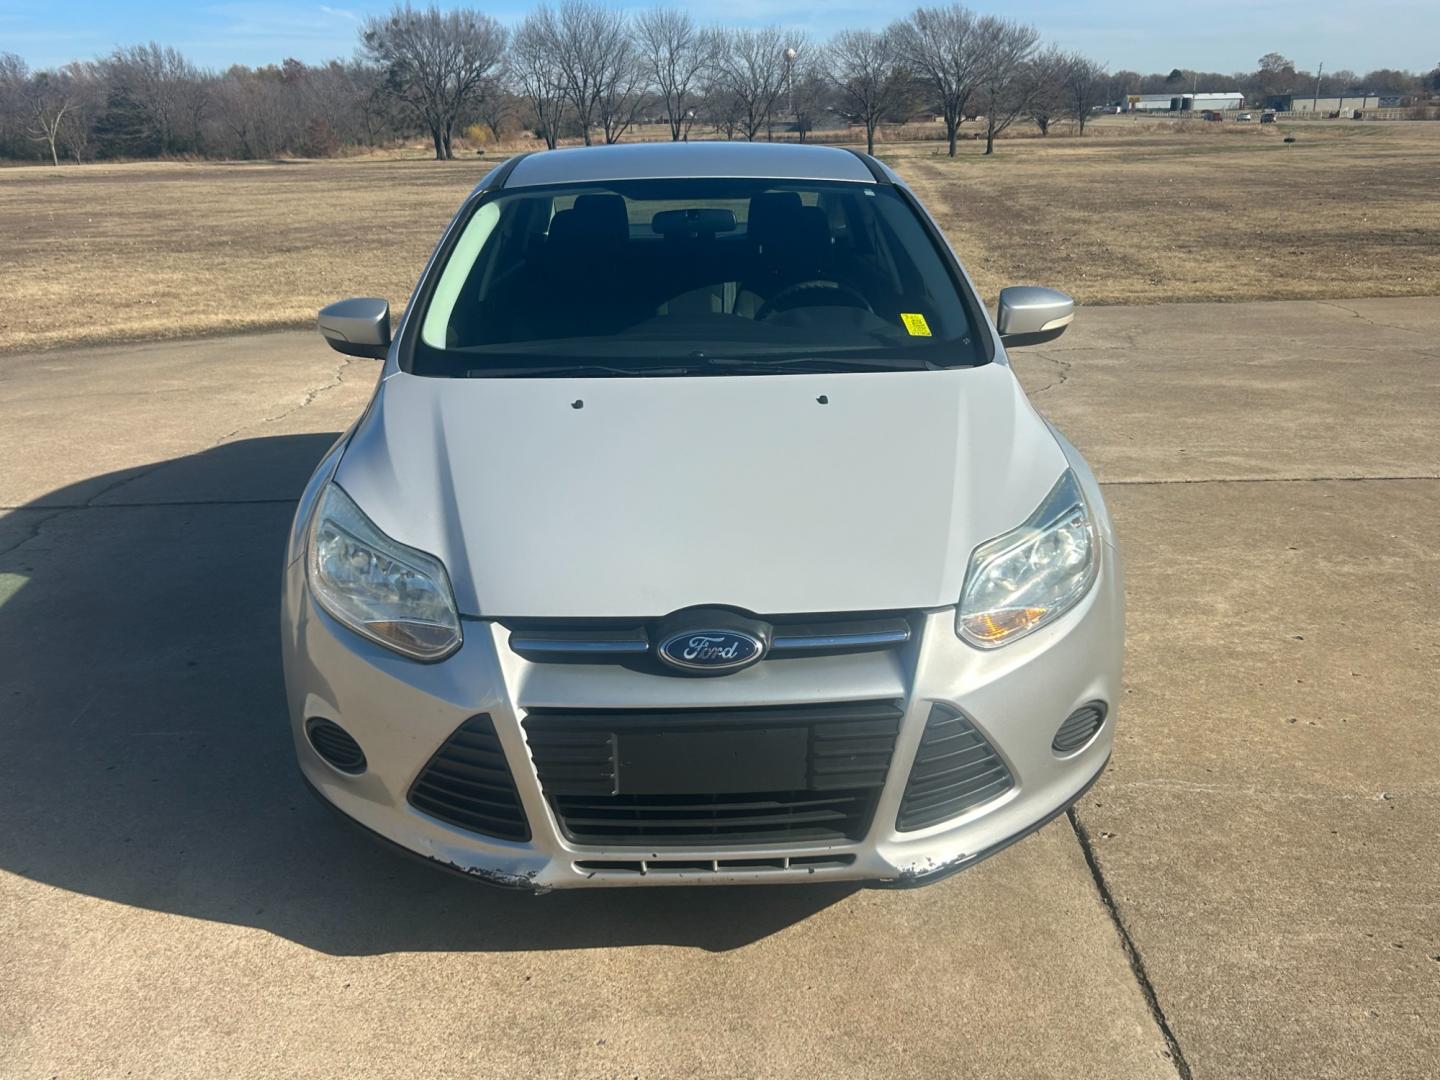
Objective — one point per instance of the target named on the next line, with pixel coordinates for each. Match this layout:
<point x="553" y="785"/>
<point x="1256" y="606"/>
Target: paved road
<point x="1251" y="890"/>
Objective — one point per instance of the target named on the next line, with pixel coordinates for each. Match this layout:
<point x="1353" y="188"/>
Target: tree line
<point x="577" y="70"/>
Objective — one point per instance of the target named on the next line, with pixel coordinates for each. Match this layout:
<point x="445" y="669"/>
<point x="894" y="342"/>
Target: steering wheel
<point x="778" y="303"/>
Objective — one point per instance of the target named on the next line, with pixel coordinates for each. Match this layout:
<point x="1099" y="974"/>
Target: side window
<point x="434" y="330"/>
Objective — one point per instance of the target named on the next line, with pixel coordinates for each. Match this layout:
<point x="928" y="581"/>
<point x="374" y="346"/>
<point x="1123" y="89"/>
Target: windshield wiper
<point x="874" y="363"/>
<point x="543" y="371"/>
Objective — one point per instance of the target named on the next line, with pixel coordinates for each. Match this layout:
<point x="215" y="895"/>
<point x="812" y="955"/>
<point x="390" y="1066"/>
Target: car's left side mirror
<point x="358" y="327"/>
<point x="1030" y="315"/>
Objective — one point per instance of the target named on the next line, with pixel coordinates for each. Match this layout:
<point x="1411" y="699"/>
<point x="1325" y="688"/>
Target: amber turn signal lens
<point x="998" y="625"/>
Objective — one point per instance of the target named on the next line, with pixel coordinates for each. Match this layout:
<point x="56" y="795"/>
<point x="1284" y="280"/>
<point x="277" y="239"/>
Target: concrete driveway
<point x="1250" y="891"/>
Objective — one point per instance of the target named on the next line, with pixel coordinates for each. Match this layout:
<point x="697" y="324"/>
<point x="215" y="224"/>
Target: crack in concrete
<point x="1062" y="374"/>
<point x="1174" y="1051"/>
<point x="1369" y="321"/>
<point x="336" y="380"/>
<point x="36" y="528"/>
<point x="31" y="532"/>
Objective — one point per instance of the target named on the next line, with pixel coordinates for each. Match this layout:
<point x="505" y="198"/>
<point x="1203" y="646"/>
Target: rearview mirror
<point x="1030" y="315"/>
<point x="358" y="327"/>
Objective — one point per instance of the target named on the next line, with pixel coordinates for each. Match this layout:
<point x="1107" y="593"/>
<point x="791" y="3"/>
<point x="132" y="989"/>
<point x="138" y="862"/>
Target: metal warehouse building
<point x="1301" y="104"/>
<point x="1151" y="103"/>
<point x="1213" y="102"/>
<point x="1226" y="102"/>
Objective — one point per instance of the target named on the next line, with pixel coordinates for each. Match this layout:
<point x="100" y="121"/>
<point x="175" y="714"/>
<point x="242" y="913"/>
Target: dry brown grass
<point x="1223" y="212"/>
<point x="1127" y="214"/>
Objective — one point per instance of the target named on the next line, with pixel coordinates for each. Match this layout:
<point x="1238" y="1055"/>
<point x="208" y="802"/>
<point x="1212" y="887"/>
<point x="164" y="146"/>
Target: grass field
<point x="1122" y="215"/>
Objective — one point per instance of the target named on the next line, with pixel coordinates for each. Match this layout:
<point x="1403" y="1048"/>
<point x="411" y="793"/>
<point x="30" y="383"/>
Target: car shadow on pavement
<point x="145" y="755"/>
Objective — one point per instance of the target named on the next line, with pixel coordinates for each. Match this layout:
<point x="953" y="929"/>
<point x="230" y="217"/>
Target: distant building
<point x="1149" y="103"/>
<point x="1229" y="102"/>
<point x="1207" y="102"/>
<point x="1308" y="103"/>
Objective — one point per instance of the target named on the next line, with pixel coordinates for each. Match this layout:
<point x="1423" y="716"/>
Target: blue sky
<point x="1218" y="35"/>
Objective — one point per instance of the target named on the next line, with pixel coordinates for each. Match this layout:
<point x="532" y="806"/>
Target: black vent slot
<point x="955" y="769"/>
<point x="1079" y="728"/>
<point x="671" y="866"/>
<point x="468" y="784"/>
<point x="335" y="745"/>
<point x="714" y="776"/>
<point x="761" y="818"/>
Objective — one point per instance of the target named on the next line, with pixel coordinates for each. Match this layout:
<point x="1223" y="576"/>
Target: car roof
<point x="701" y="160"/>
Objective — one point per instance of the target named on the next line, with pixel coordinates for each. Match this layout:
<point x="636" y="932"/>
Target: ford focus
<point x="698" y="531"/>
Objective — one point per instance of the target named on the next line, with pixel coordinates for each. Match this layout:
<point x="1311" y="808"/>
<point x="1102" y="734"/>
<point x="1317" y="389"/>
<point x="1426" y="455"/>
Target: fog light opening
<point x="1079" y="728"/>
<point x="335" y="745"/>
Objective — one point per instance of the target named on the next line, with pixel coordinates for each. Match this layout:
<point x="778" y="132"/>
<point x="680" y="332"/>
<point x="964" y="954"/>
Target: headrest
<point x="791" y="237"/>
<point x="768" y="211"/>
<point x="593" y="218"/>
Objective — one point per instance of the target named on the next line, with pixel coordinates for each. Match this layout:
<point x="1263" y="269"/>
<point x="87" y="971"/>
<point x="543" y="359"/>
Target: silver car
<point x="698" y="531"/>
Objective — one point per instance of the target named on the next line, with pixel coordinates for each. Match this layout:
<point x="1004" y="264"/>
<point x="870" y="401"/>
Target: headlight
<point x="1018" y="582"/>
<point x="383" y="590"/>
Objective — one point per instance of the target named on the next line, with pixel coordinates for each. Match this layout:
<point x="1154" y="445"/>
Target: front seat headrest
<point x="769" y="212"/>
<point x="593" y="218"/>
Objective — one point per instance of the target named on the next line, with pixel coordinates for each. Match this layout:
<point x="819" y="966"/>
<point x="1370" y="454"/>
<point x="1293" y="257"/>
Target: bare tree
<point x="255" y="112"/>
<point x="435" y="62"/>
<point x="942" y="45"/>
<point x="1275" y="75"/>
<point x="677" y="54"/>
<point x="1047" y="101"/>
<point x="811" y="96"/>
<point x="153" y="95"/>
<point x="1011" y="79"/>
<point x="14" y="75"/>
<point x="87" y="92"/>
<point x="50" y="95"/>
<point x="1085" y="85"/>
<point x="720" y="107"/>
<point x="752" y="70"/>
<point x="536" y="67"/>
<point x="495" y="107"/>
<point x="598" y="62"/>
<point x="624" y="85"/>
<point x="867" y="69"/>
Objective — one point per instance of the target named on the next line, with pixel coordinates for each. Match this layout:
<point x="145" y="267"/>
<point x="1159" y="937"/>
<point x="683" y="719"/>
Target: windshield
<point x="682" y="277"/>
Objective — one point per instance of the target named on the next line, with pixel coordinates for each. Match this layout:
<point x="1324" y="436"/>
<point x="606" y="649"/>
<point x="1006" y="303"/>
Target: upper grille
<point x="633" y="644"/>
<point x="468" y="783"/>
<point x="955" y="769"/>
<point x="835" y="760"/>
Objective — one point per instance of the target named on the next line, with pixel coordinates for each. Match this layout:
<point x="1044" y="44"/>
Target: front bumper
<point x="400" y="712"/>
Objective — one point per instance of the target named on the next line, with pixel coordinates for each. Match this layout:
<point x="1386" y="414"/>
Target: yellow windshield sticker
<point x="915" y="323"/>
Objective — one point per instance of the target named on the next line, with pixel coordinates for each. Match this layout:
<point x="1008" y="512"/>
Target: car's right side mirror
<point x="358" y="327"/>
<point x="1030" y="315"/>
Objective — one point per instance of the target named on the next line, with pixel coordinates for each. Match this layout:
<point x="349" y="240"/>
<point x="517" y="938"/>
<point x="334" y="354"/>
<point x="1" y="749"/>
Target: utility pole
<point x="1315" y="105"/>
<point x="790" y="55"/>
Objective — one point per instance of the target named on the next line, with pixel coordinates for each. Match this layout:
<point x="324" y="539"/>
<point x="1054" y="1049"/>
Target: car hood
<point x="635" y="497"/>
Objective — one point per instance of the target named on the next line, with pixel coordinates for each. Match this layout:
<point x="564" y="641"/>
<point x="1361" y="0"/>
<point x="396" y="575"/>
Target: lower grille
<point x="729" y="819"/>
<point x="468" y="784"/>
<point x="1079" y="728"/>
<point x="335" y="745"/>
<point x="955" y="770"/>
<point x="662" y="867"/>
<point x="714" y="776"/>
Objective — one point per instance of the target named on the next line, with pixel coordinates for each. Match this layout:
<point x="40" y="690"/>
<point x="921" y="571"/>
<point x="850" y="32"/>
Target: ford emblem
<point x="710" y="650"/>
